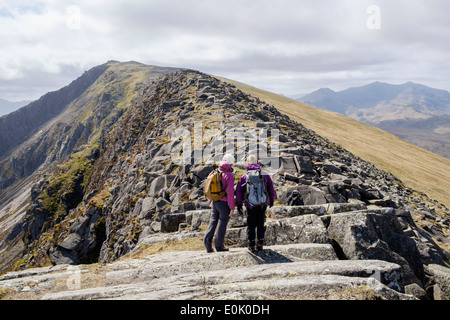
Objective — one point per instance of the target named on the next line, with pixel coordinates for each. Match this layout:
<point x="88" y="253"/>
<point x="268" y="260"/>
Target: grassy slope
<point x="418" y="168"/>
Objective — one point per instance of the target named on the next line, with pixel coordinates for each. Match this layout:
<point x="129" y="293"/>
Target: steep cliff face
<point x="19" y="125"/>
<point x="20" y="129"/>
<point x="82" y="113"/>
<point x="50" y="128"/>
<point x="135" y="161"/>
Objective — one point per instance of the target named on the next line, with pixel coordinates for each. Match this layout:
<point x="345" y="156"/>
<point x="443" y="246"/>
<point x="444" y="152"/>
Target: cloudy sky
<point x="284" y="46"/>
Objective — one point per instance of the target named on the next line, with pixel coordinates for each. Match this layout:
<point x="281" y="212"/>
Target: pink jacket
<point x="227" y="184"/>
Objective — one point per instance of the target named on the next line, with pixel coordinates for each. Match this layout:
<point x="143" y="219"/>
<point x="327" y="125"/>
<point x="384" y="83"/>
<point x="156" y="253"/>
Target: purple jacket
<point x="227" y="184"/>
<point x="240" y="189"/>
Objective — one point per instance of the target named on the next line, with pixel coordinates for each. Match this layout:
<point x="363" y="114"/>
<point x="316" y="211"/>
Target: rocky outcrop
<point x="301" y="229"/>
<point x="141" y="183"/>
<point x="439" y="283"/>
<point x="278" y="272"/>
<point x="285" y="271"/>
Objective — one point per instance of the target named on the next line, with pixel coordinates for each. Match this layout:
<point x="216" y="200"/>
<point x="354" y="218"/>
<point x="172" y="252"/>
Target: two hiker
<point x="254" y="189"/>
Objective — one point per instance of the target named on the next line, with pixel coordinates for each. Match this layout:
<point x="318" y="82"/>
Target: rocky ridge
<point x="139" y="186"/>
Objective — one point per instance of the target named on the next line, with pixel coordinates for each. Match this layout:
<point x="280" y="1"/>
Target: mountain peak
<point x="369" y="96"/>
<point x="325" y="90"/>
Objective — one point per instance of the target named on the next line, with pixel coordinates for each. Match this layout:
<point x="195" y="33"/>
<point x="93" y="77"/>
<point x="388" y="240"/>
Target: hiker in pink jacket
<point x="222" y="209"/>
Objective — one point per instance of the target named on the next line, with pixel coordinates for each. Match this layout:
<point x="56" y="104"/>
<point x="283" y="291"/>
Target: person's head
<point x="228" y="158"/>
<point x="252" y="159"/>
<point x="295" y="193"/>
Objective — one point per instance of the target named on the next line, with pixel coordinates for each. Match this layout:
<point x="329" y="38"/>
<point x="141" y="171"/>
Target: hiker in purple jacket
<point x="256" y="211"/>
<point x="222" y="209"/>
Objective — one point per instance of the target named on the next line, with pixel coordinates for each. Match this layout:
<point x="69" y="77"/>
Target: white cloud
<point x="284" y="46"/>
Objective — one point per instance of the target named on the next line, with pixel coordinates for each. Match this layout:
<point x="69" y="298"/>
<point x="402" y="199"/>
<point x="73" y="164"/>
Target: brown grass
<point x="169" y="245"/>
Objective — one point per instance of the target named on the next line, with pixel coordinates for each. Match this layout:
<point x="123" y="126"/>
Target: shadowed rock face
<point x="19" y="125"/>
<point x="135" y="178"/>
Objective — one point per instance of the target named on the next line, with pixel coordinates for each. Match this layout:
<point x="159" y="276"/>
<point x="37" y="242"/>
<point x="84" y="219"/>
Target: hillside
<point x="414" y="112"/>
<point x="121" y="188"/>
<point x="432" y="134"/>
<point x="419" y="169"/>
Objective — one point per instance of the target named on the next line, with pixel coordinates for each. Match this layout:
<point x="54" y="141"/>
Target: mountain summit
<point x="119" y="169"/>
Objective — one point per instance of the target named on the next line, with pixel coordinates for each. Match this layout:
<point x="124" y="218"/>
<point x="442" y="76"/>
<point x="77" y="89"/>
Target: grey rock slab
<point x="278" y="272"/>
<point x="301" y="229"/>
<point x="376" y="234"/>
<point x="300" y="279"/>
<point x="374" y="270"/>
<point x="320" y="209"/>
<point x="441" y="277"/>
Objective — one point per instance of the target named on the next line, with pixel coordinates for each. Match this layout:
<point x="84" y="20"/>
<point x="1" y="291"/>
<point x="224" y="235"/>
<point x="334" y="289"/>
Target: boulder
<point x="83" y="243"/>
<point x="331" y="167"/>
<point x="197" y="193"/>
<point x="278" y="212"/>
<point x="301" y="229"/>
<point x="304" y="165"/>
<point x="376" y="234"/>
<point x="160" y="183"/>
<point x="170" y="222"/>
<point x="157" y="185"/>
<point x="440" y="281"/>
<point x="72" y="242"/>
<point x="202" y="171"/>
<point x="287" y="165"/>
<point x="311" y="195"/>
<point x="141" y="185"/>
<point x="66" y="251"/>
<point x="147" y="208"/>
<point x="196" y="217"/>
<point x="416" y="291"/>
<point x="161" y="204"/>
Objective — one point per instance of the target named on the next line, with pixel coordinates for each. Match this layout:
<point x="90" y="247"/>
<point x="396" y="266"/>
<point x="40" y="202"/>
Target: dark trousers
<point x="219" y="220"/>
<point x="256" y="217"/>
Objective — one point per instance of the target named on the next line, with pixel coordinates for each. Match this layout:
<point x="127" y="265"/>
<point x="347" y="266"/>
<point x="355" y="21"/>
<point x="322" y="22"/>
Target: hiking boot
<point x="223" y="249"/>
<point x="259" y="247"/>
<point x="251" y="245"/>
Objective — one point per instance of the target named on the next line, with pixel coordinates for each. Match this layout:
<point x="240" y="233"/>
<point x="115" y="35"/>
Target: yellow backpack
<point x="213" y="186"/>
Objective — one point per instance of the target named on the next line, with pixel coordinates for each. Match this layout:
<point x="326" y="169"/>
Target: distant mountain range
<point x="416" y="113"/>
<point x="8" y="106"/>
